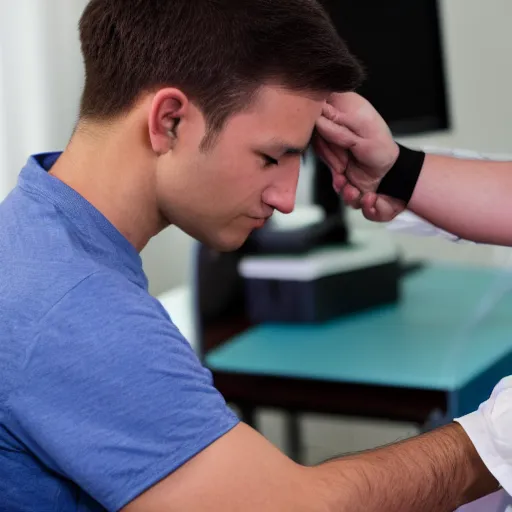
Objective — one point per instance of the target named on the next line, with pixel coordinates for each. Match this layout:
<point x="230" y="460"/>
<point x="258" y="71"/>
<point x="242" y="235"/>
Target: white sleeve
<point x="490" y="430"/>
<point x="409" y="223"/>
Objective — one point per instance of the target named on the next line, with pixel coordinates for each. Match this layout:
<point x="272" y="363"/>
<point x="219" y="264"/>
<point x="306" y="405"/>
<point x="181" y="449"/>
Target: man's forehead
<point x="285" y="118"/>
<point x="278" y="96"/>
<point x="281" y="145"/>
<point x="277" y="120"/>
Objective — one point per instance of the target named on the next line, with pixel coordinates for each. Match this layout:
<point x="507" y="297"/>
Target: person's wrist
<point x="395" y="153"/>
<point x="402" y="177"/>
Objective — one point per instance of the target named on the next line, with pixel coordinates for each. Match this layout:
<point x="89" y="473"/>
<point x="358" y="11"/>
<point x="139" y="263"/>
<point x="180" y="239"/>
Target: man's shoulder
<point x="106" y="323"/>
<point x="106" y="295"/>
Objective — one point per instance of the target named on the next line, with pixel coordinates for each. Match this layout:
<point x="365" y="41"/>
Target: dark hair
<point x="217" y="51"/>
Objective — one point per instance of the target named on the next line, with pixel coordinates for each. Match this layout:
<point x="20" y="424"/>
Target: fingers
<point x="371" y="211"/>
<point x="351" y="196"/>
<point x="341" y="100"/>
<point x="368" y="202"/>
<point x="338" y="182"/>
<point x="357" y="118"/>
<point x="357" y="114"/>
<point x="376" y="208"/>
<point x="338" y="117"/>
<point x="381" y="212"/>
<point x="332" y="159"/>
<point x="346" y="102"/>
<point x="380" y="208"/>
<point x="336" y="161"/>
<point x="336" y="132"/>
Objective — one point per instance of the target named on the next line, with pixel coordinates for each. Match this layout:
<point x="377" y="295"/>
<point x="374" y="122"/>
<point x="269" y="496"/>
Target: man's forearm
<point x="470" y="198"/>
<point x="437" y="471"/>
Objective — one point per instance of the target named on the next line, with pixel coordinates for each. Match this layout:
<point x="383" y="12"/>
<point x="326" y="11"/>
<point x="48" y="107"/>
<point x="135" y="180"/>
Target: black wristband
<point x="401" y="179"/>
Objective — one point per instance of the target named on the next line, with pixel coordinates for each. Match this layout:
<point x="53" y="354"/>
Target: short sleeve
<point x="489" y="429"/>
<point x="111" y="396"/>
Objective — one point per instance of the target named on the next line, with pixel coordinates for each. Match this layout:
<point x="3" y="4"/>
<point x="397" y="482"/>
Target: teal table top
<point x="430" y="340"/>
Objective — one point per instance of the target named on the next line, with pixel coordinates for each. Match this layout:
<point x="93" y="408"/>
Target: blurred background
<point x="468" y="107"/>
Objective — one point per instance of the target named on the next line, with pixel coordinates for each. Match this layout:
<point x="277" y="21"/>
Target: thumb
<point x="355" y="115"/>
<point x="335" y="133"/>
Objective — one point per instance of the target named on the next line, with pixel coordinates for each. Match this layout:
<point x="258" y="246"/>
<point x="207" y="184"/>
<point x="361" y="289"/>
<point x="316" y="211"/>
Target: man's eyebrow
<point x="290" y="149"/>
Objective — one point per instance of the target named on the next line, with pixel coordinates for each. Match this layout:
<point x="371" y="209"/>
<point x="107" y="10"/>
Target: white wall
<point x="478" y="46"/>
<point x="40" y="79"/>
<point x="41" y="76"/>
<point x="166" y="260"/>
<point x="4" y="185"/>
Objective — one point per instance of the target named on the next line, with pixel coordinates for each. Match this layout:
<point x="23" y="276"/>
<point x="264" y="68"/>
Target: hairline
<point x="245" y="103"/>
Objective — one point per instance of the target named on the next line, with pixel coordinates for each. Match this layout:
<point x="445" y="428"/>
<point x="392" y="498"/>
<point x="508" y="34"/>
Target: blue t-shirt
<point x="101" y="397"/>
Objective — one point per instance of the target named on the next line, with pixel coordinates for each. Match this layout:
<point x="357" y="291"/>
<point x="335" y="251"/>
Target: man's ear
<point x="168" y="108"/>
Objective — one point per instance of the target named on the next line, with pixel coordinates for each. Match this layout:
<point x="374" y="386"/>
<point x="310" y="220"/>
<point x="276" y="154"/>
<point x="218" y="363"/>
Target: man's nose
<point x="282" y="192"/>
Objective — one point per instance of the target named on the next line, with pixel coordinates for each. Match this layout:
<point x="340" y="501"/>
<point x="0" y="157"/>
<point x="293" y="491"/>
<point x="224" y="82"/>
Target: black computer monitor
<point x="399" y="42"/>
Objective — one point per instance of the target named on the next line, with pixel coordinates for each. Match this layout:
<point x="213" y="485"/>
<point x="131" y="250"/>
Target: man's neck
<point x="117" y="181"/>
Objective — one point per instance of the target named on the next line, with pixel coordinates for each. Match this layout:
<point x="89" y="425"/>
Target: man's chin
<point x="225" y="246"/>
<point x="226" y="243"/>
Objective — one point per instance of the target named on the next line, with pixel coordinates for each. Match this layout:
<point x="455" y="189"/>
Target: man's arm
<point x="242" y="471"/>
<point x="469" y="198"/>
